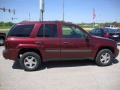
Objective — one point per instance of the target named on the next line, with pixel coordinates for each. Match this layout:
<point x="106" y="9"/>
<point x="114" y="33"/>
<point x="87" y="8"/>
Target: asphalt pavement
<point x="72" y="75"/>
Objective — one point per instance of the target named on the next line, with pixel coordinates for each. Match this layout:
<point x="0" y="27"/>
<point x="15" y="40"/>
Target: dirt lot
<point x="73" y="75"/>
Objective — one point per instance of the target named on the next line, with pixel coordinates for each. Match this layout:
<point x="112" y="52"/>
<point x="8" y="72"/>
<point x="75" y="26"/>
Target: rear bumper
<point x="10" y="54"/>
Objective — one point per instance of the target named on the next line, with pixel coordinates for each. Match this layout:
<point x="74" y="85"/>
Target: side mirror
<point x="87" y="37"/>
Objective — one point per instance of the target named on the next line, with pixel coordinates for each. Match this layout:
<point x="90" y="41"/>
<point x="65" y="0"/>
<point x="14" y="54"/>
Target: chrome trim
<point x="70" y="51"/>
<point x="52" y="51"/>
<point x="73" y="51"/>
<point x="69" y="59"/>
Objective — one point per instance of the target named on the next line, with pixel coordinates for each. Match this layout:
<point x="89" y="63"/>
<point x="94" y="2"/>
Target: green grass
<point x="87" y="29"/>
<point x="5" y="27"/>
<point x="4" y="30"/>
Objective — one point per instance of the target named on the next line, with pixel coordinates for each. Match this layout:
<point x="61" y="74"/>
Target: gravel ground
<point x="73" y="75"/>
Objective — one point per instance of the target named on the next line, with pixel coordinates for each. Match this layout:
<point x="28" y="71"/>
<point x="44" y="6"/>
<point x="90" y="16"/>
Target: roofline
<point x="44" y="21"/>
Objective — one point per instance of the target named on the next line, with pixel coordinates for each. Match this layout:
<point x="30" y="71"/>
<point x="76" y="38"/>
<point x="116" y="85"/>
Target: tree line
<point x="107" y="24"/>
<point x="6" y="24"/>
<point x="84" y="25"/>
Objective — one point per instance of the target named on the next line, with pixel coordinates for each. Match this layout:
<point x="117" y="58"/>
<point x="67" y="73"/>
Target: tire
<point x="104" y="57"/>
<point x="2" y="41"/>
<point x="30" y="61"/>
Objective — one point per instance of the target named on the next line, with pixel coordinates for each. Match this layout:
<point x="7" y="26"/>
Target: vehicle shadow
<point x="115" y="61"/>
<point x="16" y="65"/>
<point x="60" y="64"/>
<point x="72" y="63"/>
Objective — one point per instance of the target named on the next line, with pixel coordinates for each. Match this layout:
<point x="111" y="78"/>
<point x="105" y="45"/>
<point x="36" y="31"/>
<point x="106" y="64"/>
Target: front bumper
<point x="10" y="54"/>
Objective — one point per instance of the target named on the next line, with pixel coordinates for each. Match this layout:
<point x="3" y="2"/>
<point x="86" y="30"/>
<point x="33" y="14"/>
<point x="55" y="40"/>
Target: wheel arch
<point x="24" y="50"/>
<point x="104" y="47"/>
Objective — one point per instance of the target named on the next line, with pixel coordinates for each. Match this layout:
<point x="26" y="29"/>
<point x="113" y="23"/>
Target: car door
<point x="74" y="44"/>
<point x="48" y="41"/>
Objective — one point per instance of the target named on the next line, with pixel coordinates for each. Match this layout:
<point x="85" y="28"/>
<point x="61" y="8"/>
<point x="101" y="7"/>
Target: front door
<point x="73" y="43"/>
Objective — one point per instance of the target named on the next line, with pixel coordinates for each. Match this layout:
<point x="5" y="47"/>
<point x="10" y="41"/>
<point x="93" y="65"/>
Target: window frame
<point x="43" y="36"/>
<point x="81" y="30"/>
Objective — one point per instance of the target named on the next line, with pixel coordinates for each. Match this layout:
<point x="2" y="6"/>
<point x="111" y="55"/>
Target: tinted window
<point x="72" y="32"/>
<point x="47" y="30"/>
<point x="21" y="31"/>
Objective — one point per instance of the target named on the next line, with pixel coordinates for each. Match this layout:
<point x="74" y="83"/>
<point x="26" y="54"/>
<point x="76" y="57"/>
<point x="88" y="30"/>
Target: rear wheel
<point x="104" y="57"/>
<point x="30" y="61"/>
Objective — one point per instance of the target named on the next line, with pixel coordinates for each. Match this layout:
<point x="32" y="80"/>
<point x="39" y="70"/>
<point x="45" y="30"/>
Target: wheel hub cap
<point x="30" y="62"/>
<point x="105" y="58"/>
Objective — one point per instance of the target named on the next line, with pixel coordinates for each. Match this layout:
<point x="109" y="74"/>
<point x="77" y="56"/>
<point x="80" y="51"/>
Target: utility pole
<point x="94" y="16"/>
<point x="63" y="10"/>
<point x="29" y="16"/>
<point x="41" y="9"/>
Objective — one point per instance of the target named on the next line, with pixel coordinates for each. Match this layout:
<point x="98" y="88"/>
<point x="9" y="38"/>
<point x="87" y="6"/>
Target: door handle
<point x="66" y="42"/>
<point x="38" y="42"/>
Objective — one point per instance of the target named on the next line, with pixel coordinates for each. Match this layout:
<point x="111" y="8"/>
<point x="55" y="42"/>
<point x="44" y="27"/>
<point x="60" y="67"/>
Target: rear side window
<point x="21" y="31"/>
<point x="47" y="30"/>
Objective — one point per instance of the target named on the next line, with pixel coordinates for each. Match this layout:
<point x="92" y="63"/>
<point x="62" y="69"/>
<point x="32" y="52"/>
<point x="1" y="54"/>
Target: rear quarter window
<point x="21" y="31"/>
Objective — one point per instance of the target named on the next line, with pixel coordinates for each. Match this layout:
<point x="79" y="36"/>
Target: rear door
<point x="48" y="41"/>
<point x="73" y="43"/>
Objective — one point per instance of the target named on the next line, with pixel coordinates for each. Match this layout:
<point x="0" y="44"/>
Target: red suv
<point x="35" y="42"/>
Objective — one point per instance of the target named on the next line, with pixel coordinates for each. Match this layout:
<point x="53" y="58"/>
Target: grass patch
<point x="4" y="30"/>
<point x="87" y="29"/>
<point x="5" y="27"/>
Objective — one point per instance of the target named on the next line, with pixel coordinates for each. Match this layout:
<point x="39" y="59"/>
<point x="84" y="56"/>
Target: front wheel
<point x="104" y="57"/>
<point x="30" y="61"/>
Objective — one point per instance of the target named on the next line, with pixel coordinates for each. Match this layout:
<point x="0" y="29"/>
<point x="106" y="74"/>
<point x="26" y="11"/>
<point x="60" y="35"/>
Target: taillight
<point x="107" y="35"/>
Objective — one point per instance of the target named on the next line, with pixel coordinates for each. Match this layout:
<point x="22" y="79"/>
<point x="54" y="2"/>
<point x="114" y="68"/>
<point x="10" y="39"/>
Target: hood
<point x="102" y="38"/>
<point x="103" y="41"/>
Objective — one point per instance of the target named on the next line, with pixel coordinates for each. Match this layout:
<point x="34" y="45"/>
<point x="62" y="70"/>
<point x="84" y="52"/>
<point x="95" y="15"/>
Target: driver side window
<point x="72" y="32"/>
